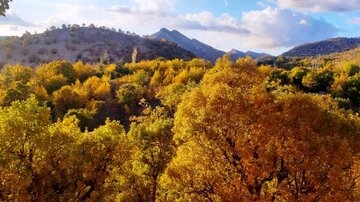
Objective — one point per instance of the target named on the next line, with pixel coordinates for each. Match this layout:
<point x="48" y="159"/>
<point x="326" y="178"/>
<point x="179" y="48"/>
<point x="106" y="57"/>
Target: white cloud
<point x="303" y="22"/>
<point x="154" y="6"/>
<point x="158" y="5"/>
<point x="121" y="9"/>
<point x="321" y="5"/>
<point x="258" y="30"/>
<point x="270" y="29"/>
<point x="12" y="24"/>
<point x="206" y="21"/>
<point x="273" y="27"/>
<point x="354" y="21"/>
<point x="13" y="19"/>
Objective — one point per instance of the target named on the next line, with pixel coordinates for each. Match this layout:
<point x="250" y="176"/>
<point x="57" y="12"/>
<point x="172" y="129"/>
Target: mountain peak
<point x="198" y="48"/>
<point x="236" y="54"/>
<point x="164" y="30"/>
<point x="177" y="32"/>
<point x="234" y="51"/>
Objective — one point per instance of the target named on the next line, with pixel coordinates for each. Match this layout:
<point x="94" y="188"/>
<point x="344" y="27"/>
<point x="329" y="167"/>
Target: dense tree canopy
<point x="244" y="143"/>
<point x="179" y="131"/>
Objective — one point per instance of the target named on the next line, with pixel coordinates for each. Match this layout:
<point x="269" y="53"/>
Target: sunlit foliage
<point x="174" y="130"/>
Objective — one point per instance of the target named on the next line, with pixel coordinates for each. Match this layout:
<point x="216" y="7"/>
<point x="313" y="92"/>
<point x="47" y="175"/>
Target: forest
<point x="175" y="130"/>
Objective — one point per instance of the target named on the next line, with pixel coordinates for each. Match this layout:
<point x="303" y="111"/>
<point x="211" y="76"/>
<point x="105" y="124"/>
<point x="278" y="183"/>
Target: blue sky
<point x="272" y="26"/>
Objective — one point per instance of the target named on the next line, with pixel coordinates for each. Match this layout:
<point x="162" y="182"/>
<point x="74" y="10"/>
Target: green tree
<point x="280" y="75"/>
<point x="351" y="90"/>
<point x="129" y="95"/>
<point x="151" y="136"/>
<point x="296" y="75"/>
<point x="4" y="5"/>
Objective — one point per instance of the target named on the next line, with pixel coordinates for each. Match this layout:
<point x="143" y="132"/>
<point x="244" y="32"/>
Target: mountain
<point x="198" y="48"/>
<point x="88" y="44"/>
<point x="235" y="54"/>
<point x="325" y="47"/>
<point x="257" y="55"/>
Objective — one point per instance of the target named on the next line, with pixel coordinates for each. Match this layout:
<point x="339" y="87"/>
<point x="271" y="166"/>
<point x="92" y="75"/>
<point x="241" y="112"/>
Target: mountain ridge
<point x="195" y="46"/>
<point x="324" y="47"/>
<point x="199" y="48"/>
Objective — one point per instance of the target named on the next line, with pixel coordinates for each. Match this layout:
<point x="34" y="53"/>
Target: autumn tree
<point x="22" y="126"/>
<point x="54" y="75"/>
<point x="15" y="73"/>
<point x="83" y="71"/>
<point x="68" y="98"/>
<point x="15" y="83"/>
<point x="129" y="95"/>
<point x="104" y="154"/>
<point x="151" y="135"/>
<point x="98" y="88"/>
<point x="250" y="145"/>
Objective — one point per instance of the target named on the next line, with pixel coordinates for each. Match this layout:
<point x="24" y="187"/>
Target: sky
<point x="271" y="26"/>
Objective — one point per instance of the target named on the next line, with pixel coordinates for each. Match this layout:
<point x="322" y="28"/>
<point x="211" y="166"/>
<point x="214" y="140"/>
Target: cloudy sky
<point x="272" y="26"/>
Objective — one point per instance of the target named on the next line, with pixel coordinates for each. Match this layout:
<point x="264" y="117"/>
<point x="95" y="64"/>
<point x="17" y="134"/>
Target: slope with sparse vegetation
<point x="329" y="46"/>
<point x="89" y="44"/>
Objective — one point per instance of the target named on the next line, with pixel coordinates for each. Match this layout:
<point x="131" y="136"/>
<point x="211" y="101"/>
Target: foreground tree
<point x="151" y="135"/>
<point x="4" y="5"/>
<point x="22" y="127"/>
<point x="41" y="161"/>
<point x="248" y="144"/>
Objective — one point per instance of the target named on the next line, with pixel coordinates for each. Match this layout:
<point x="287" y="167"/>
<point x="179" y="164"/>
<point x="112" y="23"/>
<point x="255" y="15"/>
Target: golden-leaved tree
<point x="152" y="139"/>
<point x="239" y="142"/>
<point x="22" y="127"/>
<point x="41" y="161"/>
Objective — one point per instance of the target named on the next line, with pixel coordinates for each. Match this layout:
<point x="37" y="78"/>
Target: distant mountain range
<point x="198" y="48"/>
<point x="235" y="54"/>
<point x="324" y="47"/>
<point x="88" y="44"/>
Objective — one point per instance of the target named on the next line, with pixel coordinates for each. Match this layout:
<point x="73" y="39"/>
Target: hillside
<point x="88" y="44"/>
<point x="325" y="47"/>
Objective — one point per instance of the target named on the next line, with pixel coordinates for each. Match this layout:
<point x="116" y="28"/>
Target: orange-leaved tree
<point x="239" y="142"/>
